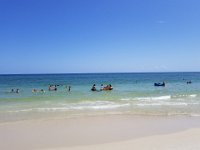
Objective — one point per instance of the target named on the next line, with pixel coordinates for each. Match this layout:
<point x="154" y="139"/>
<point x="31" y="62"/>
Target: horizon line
<point x="101" y="72"/>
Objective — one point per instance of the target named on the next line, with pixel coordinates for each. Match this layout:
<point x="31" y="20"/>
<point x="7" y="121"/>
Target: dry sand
<point x="185" y="140"/>
<point x="110" y="132"/>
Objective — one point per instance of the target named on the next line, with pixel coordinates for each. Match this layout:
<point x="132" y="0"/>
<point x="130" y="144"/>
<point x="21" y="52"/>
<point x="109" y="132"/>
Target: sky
<point x="85" y="36"/>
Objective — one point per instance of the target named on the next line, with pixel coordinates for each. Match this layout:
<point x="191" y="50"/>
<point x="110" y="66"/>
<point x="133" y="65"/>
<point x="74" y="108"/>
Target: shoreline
<point x="84" y="132"/>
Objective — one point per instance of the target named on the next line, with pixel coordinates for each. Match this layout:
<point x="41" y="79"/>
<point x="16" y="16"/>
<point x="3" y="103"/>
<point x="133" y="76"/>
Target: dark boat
<point x="159" y="84"/>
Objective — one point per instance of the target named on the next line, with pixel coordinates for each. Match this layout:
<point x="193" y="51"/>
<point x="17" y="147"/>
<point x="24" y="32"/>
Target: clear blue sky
<point x="63" y="36"/>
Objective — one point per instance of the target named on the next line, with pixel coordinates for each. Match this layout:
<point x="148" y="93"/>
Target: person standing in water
<point x="101" y="89"/>
<point x="93" y="87"/>
<point x="17" y="91"/>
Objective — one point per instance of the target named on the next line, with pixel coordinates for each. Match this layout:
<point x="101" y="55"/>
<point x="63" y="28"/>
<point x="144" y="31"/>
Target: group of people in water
<point x="35" y="90"/>
<point x="55" y="87"/>
<point x="163" y="83"/>
<point x="102" y="88"/>
<point x="52" y="88"/>
<point x="189" y="82"/>
<point x="14" y="91"/>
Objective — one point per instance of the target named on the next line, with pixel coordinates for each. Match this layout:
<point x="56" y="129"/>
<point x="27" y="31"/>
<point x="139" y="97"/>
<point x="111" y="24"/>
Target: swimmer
<point x="93" y="87"/>
<point x="34" y="91"/>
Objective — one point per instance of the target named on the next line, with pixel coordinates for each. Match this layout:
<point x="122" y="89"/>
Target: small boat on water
<point x="159" y="84"/>
<point x="107" y="88"/>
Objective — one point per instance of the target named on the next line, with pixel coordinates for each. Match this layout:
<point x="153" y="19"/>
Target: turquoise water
<point x="133" y="93"/>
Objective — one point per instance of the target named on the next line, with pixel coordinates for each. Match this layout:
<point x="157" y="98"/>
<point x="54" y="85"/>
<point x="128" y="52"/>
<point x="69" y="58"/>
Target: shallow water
<point x="133" y="93"/>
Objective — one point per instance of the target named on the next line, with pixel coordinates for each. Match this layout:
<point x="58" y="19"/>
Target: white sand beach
<point x="102" y="132"/>
<point x="184" y="140"/>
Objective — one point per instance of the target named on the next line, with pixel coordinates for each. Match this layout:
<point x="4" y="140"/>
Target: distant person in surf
<point x="52" y="88"/>
<point x="42" y="91"/>
<point x="101" y="89"/>
<point x="189" y="82"/>
<point x="34" y="91"/>
<point x="17" y="91"/>
<point x="94" y="88"/>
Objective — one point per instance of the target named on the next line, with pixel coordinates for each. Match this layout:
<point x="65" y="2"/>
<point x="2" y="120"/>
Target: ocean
<point x="133" y="93"/>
